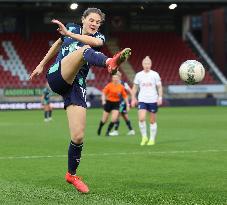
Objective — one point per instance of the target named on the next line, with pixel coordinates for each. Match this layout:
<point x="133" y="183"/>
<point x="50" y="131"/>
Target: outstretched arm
<point x="50" y="54"/>
<point x="88" y="40"/>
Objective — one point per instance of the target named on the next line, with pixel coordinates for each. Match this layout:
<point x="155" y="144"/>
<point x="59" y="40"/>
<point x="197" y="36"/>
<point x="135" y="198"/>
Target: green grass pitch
<point x="188" y="164"/>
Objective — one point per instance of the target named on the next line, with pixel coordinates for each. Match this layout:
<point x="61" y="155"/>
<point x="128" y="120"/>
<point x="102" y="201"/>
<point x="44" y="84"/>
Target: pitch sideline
<point x="114" y="154"/>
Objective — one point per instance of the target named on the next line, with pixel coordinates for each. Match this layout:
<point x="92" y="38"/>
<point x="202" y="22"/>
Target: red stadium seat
<point x="167" y="50"/>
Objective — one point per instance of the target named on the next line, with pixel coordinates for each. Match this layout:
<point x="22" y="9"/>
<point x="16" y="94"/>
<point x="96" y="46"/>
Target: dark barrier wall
<point x="191" y="102"/>
<point x="97" y="104"/>
<point x="214" y="36"/>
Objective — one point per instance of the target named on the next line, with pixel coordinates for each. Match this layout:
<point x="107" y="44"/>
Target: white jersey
<point x="147" y="82"/>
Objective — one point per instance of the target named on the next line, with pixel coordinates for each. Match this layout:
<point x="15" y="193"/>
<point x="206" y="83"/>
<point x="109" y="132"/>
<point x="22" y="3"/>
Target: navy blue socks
<point x="116" y="126"/>
<point x="100" y="127"/>
<point x="110" y="126"/>
<point x="128" y="123"/>
<point x="74" y="155"/>
<point x="95" y="58"/>
<point x="50" y="113"/>
<point x="45" y="114"/>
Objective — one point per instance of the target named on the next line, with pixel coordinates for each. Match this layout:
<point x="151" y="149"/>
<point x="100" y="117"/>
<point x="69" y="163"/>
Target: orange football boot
<point x="113" y="64"/>
<point x="77" y="182"/>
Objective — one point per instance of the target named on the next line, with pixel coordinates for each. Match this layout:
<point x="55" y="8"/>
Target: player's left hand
<point x="61" y="28"/>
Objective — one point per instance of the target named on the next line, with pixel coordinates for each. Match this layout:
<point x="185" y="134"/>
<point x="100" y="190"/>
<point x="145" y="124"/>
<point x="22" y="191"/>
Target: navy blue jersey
<point x="46" y="94"/>
<point x="69" y="45"/>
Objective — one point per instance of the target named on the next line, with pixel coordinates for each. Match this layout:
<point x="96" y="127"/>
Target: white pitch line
<point x="115" y="154"/>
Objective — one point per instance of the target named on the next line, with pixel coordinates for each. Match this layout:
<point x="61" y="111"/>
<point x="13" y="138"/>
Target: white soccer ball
<point x="191" y="72"/>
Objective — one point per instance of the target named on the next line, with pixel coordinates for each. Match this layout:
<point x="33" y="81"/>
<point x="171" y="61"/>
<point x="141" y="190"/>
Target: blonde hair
<point x="147" y="58"/>
<point x="118" y="73"/>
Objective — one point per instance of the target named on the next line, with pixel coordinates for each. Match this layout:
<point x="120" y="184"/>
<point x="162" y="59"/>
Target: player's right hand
<point x="133" y="102"/>
<point x="159" y="102"/>
<point x="61" y="28"/>
<point x="37" y="71"/>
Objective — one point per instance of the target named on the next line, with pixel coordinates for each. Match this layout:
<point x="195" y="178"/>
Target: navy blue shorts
<point x="150" y="107"/>
<point x="55" y="80"/>
<point x="72" y="94"/>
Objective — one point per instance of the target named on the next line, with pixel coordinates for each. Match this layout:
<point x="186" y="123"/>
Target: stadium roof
<point x="118" y="1"/>
<point x="185" y="7"/>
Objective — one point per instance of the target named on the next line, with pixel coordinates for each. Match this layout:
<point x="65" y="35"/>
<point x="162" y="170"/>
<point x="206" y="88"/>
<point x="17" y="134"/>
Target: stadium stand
<point x="102" y="77"/>
<point x="167" y="50"/>
<point x="18" y="57"/>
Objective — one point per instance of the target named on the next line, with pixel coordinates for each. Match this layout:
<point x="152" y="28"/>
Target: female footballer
<point x="111" y="98"/>
<point x="78" y="49"/>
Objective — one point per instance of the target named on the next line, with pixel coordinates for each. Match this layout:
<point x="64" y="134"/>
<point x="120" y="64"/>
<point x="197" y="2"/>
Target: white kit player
<point x="148" y="83"/>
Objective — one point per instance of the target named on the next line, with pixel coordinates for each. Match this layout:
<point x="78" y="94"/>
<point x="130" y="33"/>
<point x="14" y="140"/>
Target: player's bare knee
<point x="77" y="136"/>
<point x="83" y="48"/>
<point x="152" y="121"/>
<point x="104" y="119"/>
<point x="114" y="119"/>
<point x="142" y="120"/>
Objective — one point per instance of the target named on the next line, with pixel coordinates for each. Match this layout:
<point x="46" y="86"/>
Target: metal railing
<point x="206" y="58"/>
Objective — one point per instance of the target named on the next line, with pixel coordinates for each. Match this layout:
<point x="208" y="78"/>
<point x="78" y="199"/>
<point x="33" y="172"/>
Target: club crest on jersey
<point x="100" y="36"/>
<point x="81" y="82"/>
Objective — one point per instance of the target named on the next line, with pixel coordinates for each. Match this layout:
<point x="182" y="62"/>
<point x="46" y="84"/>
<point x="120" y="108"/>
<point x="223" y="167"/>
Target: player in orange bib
<point x="111" y="96"/>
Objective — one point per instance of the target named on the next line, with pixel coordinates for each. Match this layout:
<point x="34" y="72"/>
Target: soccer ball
<point x="191" y="72"/>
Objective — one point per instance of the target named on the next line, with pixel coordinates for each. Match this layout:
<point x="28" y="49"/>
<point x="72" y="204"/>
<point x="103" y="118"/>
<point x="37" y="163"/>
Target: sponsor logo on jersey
<point x="146" y="84"/>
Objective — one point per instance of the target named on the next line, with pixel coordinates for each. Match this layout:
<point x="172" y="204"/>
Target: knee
<point x="152" y="121"/>
<point x="77" y="135"/>
<point x="142" y="119"/>
<point x="105" y="118"/>
<point x="114" y="119"/>
<point x="83" y="48"/>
